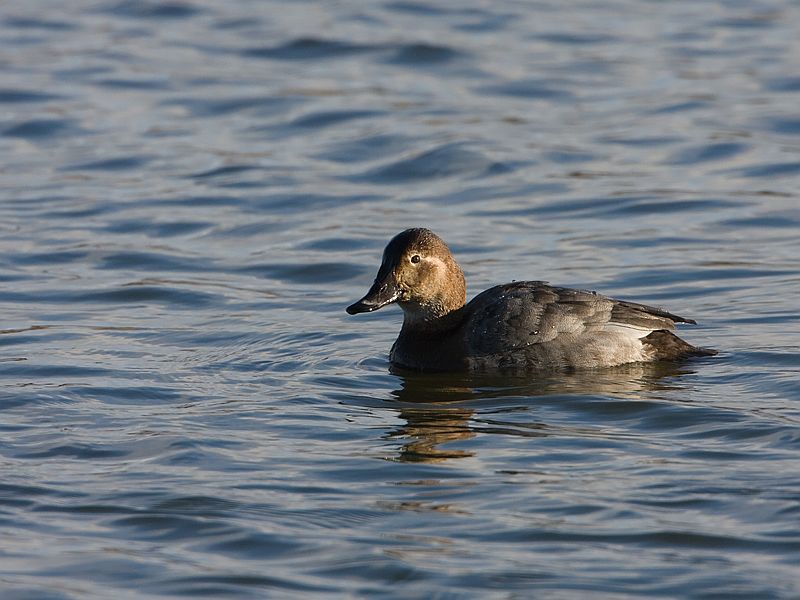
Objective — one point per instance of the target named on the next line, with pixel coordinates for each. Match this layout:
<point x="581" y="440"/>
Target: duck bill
<point x="381" y="293"/>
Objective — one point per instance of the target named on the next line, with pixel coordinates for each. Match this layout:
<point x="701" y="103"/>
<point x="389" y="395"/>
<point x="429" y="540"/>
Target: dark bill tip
<point x="379" y="295"/>
<point x="361" y="307"/>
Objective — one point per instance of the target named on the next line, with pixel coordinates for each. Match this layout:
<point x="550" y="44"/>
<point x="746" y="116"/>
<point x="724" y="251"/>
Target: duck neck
<point x="430" y="318"/>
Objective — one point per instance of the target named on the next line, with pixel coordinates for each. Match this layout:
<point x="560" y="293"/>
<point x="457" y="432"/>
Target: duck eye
<point x="415" y="259"/>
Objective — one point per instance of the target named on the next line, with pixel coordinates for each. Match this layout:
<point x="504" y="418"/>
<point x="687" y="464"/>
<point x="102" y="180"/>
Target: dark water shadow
<point x="443" y="408"/>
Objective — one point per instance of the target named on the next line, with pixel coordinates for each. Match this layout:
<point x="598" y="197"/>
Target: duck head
<point x="419" y="273"/>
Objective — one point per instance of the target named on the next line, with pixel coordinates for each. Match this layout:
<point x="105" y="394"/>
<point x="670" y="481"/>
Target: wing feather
<point x="520" y="314"/>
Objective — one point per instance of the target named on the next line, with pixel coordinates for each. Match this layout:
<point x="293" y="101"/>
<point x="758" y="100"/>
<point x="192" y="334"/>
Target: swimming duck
<point x="525" y="326"/>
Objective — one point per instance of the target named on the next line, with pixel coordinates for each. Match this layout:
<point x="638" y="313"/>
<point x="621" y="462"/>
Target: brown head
<point x="419" y="273"/>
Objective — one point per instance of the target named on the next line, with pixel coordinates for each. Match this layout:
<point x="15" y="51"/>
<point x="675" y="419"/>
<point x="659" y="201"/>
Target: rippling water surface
<point x="190" y="194"/>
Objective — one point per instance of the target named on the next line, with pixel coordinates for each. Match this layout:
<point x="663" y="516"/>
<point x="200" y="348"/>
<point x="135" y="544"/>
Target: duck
<point x="523" y="326"/>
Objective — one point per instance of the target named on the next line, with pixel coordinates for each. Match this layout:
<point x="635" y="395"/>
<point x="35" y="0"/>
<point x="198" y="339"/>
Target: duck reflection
<point x="428" y="428"/>
<point x="434" y="420"/>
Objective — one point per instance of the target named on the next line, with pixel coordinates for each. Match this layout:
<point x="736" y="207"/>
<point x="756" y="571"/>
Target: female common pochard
<point x="525" y="326"/>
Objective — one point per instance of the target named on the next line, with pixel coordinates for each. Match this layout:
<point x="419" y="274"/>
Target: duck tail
<point x="665" y="345"/>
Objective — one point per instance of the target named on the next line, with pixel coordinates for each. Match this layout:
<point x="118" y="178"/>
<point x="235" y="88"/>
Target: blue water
<point x="190" y="194"/>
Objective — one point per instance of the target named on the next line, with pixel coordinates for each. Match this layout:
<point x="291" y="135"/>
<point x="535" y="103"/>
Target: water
<point x="192" y="192"/>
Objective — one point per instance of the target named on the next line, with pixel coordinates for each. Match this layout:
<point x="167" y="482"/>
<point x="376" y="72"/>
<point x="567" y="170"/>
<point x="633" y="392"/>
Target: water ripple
<point x="38" y="23"/>
<point x="328" y="118"/>
<point x="38" y="129"/>
<point x="784" y="125"/>
<point x="309" y="48"/>
<point x="217" y="106"/>
<point x="707" y="153"/>
<point x="787" y="169"/>
<point x="443" y="161"/>
<point x="154" y="10"/>
<point x="366" y="148"/>
<point x="532" y="89"/>
<point x="417" y="55"/>
<point x="121" y="163"/>
<point x="13" y="96"/>
<point x="784" y="84"/>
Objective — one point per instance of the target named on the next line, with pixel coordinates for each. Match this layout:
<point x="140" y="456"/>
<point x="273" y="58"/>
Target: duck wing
<point x="524" y="313"/>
